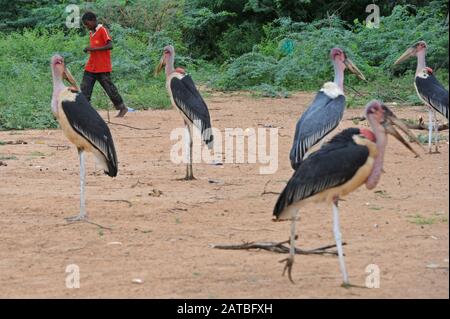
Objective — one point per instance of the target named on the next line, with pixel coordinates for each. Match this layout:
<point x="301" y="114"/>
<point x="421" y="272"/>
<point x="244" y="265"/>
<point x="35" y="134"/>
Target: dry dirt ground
<point x="162" y="227"/>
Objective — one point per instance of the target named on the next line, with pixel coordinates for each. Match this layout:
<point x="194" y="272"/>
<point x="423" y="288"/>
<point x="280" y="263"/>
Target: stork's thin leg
<point x="338" y="238"/>
<point x="430" y="129"/>
<point x="191" y="175"/>
<point x="82" y="215"/>
<point x="290" y="260"/>
<point x="436" y="132"/>
<point x="188" y="139"/>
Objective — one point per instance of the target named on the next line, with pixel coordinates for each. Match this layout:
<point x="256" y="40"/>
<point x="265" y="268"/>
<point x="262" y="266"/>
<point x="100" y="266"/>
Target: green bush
<point x="268" y="46"/>
<point x="25" y="75"/>
<point x="295" y="55"/>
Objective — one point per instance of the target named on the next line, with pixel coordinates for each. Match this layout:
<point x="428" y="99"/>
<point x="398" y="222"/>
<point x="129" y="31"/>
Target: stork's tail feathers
<point x="281" y="204"/>
<point x="109" y="162"/>
<point x="112" y="162"/>
<point x="208" y="137"/>
<point x="112" y="169"/>
<point x="295" y="164"/>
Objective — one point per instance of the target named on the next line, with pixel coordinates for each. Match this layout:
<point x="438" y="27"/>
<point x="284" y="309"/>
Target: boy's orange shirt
<point x="99" y="61"/>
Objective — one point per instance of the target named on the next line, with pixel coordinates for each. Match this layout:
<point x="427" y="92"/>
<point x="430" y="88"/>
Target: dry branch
<point x="278" y="248"/>
<point x="60" y="147"/>
<point x="265" y="192"/>
<point x="419" y="126"/>
<point x="133" y="127"/>
<point x="18" y="142"/>
<point x="120" y="200"/>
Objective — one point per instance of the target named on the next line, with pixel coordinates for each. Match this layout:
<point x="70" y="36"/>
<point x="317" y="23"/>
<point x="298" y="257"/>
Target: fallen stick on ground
<point x="120" y="201"/>
<point x="278" y="248"/>
<point x="60" y="147"/>
<point x="419" y="126"/>
<point x="133" y="127"/>
<point x="18" y="142"/>
<point x="423" y="127"/>
<point x="265" y="192"/>
<point x="87" y="222"/>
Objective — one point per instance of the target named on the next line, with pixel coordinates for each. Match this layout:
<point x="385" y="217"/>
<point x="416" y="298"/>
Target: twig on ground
<point x="265" y="192"/>
<point x="88" y="222"/>
<point x="60" y="147"/>
<point x="120" y="200"/>
<point x="420" y="126"/>
<point x="133" y="127"/>
<point x="278" y="248"/>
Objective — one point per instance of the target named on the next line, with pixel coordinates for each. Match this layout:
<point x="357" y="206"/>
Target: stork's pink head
<point x="414" y="50"/>
<point x="383" y="120"/>
<point x="375" y="109"/>
<point x="339" y="58"/>
<point x="166" y="59"/>
<point x="60" y="71"/>
<point x="420" y="46"/>
<point x="169" y="51"/>
<point x="57" y="64"/>
<point x="337" y="54"/>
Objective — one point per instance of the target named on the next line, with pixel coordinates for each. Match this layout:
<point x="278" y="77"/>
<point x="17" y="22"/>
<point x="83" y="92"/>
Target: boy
<point x="98" y="67"/>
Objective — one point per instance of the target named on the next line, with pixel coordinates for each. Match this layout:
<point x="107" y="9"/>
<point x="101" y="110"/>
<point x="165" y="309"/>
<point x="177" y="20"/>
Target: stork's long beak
<point x="160" y="66"/>
<point x="354" y="69"/>
<point x="391" y="121"/>
<point x="69" y="77"/>
<point x="405" y="56"/>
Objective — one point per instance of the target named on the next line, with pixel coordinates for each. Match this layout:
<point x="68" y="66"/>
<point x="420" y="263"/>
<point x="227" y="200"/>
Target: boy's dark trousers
<point x="87" y="85"/>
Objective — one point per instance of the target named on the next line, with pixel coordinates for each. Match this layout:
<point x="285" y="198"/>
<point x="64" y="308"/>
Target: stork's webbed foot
<point x="288" y="266"/>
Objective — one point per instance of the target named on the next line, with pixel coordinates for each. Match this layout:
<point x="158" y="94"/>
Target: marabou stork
<point x="82" y="125"/>
<point x="350" y="159"/>
<point x="428" y="88"/>
<point x="325" y="112"/>
<point x="186" y="98"/>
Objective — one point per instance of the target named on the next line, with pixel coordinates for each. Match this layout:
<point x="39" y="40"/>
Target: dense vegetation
<point x="271" y="47"/>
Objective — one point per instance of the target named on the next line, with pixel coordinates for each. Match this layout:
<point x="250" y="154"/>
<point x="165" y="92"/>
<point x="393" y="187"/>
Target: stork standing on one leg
<point x="185" y="96"/>
<point x="352" y="158"/>
<point x="428" y="88"/>
<point x="326" y="111"/>
<point x="82" y="125"/>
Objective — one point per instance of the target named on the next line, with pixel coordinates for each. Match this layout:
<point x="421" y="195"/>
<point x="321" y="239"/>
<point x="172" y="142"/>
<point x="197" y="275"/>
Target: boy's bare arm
<point x="108" y="46"/>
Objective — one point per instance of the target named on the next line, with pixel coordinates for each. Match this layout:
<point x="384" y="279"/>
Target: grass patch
<point x="37" y="154"/>
<point x="8" y="158"/>
<point x="421" y="220"/>
<point x="423" y="138"/>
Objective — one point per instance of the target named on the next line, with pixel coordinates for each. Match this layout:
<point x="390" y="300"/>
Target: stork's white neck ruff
<point x="423" y="73"/>
<point x="332" y="90"/>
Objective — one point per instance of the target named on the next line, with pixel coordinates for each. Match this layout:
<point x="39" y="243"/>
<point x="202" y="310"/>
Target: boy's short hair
<point x="89" y="16"/>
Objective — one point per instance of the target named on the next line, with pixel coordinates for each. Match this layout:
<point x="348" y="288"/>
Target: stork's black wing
<point x="433" y="93"/>
<point x="321" y="117"/>
<point x="191" y="103"/>
<point x="333" y="165"/>
<point x="85" y="120"/>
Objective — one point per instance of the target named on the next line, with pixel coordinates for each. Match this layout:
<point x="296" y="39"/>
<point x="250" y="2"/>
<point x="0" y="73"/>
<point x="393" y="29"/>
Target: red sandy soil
<point x="162" y="227"/>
